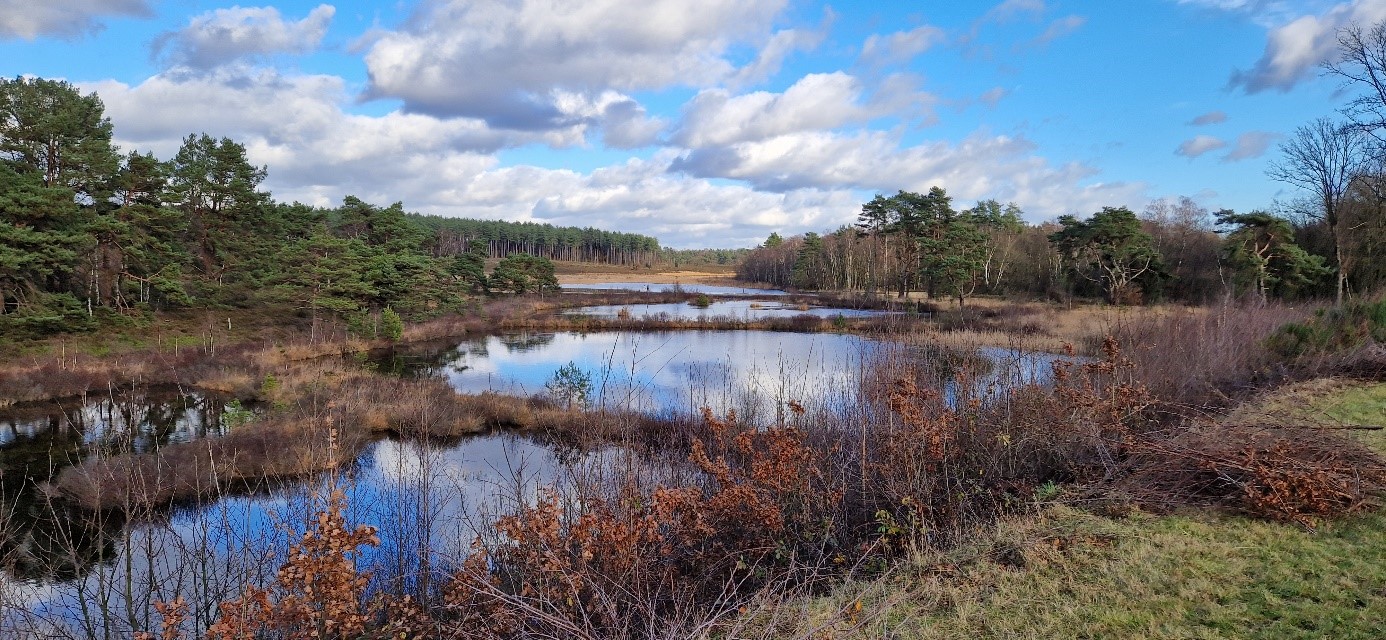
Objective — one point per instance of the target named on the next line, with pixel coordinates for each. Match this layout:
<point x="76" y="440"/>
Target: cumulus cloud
<point x="30" y="19"/>
<point x="508" y="63"/>
<point x="790" y="182"/>
<point x="681" y="210"/>
<point x="816" y="102"/>
<point x="1252" y="144"/>
<point x="1212" y="117"/>
<point x="1295" y="49"/>
<point x="981" y="166"/>
<point x="1199" y="145"/>
<point x="901" y="46"/>
<point x="626" y="125"/>
<point x="225" y="36"/>
<point x="308" y="139"/>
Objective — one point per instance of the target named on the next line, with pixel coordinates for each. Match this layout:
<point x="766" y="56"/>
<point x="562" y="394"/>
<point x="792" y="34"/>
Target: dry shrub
<point x="1196" y="362"/>
<point x="1200" y="359"/>
<point x="318" y="593"/>
<point x="172" y="615"/>
<point x="499" y="410"/>
<point x="944" y="461"/>
<point x="1294" y="475"/>
<point x="630" y="562"/>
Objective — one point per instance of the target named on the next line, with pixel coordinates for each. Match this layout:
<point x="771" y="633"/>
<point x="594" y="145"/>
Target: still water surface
<point x="734" y="309"/>
<point x="422" y="495"/>
<point x="712" y="290"/>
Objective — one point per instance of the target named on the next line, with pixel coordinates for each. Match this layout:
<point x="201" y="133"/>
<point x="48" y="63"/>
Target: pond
<point x="712" y="290"/>
<point x="429" y="498"/>
<point x="669" y="372"/>
<point x="733" y="309"/>
<point x="661" y="372"/>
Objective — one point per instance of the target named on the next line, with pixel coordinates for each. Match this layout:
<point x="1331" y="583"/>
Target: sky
<point x="710" y="123"/>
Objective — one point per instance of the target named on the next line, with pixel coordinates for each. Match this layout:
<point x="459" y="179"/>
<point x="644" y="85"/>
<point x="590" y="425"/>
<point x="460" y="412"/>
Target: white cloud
<point x="309" y="142"/>
<point x="507" y="62"/>
<point x="626" y="125"/>
<point x="1212" y="117"/>
<point x="1199" y="145"/>
<point x="980" y="166"/>
<point x="30" y="19"/>
<point x="224" y="36"/>
<point x="816" y="102"/>
<point x="901" y="46"/>
<point x="1294" y="50"/>
<point x="678" y="209"/>
<point x="1252" y="144"/>
<point x="792" y="183"/>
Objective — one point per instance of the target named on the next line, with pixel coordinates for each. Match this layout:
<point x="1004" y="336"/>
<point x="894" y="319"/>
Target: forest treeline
<point x="90" y="235"/>
<point x="500" y="238"/>
<point x="1175" y="250"/>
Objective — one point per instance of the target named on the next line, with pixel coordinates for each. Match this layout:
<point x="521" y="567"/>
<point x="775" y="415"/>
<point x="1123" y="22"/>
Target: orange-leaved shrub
<point x="318" y="593"/>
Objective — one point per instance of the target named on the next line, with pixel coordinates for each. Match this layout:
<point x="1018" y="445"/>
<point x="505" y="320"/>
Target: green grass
<point x="1327" y="402"/>
<point x="1363" y="404"/>
<point x="1140" y="576"/>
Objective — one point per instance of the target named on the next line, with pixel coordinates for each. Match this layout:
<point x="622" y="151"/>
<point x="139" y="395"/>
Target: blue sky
<point x="711" y="123"/>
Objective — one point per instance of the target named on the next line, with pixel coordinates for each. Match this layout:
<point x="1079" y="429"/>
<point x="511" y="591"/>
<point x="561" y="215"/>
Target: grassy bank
<point x="1072" y="573"/>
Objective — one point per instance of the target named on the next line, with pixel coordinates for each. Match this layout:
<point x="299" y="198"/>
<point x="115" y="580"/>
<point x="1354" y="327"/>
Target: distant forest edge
<point x="454" y="236"/>
<point x="501" y="238"/>
<point x="91" y="236"/>
<point x="1329" y="242"/>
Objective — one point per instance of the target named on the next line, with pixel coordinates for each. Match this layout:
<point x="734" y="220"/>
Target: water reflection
<point x="734" y="309"/>
<point x="43" y="542"/>
<point x="140" y="419"/>
<point x="666" y="371"/>
<point x="428" y="499"/>
<point x="712" y="290"/>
